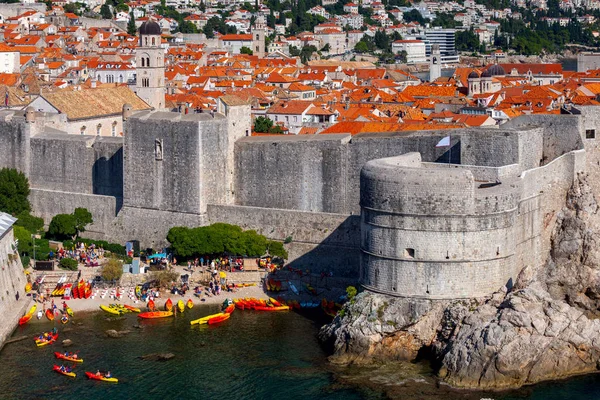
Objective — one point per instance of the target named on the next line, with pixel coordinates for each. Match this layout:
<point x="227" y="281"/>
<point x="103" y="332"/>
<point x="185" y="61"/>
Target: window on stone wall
<point x="409" y="253"/>
<point x="590" y="134"/>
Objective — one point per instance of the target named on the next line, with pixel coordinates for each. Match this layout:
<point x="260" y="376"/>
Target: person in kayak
<point x="108" y="375"/>
<point x="64" y="306"/>
<point x="68" y="369"/>
<point x="74" y="356"/>
<point x="98" y="373"/>
<point x="62" y="368"/>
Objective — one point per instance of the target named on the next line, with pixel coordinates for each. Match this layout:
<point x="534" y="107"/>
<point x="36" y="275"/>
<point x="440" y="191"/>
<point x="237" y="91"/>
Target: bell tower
<point x="150" y="66"/>
<point x="258" y="37"/>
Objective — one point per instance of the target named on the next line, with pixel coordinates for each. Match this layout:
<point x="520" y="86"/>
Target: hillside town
<point x="305" y="70"/>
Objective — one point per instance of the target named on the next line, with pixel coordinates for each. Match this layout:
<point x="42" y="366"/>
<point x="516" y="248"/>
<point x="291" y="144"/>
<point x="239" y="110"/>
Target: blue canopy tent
<point x="158" y="255"/>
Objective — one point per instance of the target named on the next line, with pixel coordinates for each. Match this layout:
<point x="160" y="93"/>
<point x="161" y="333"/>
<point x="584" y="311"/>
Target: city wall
<point x="12" y="281"/>
<point x="308" y="188"/>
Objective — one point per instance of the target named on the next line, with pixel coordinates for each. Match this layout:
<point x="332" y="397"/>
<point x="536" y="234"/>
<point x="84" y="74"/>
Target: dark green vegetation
<point x="67" y="226"/>
<point x="68" y="263"/>
<point x="220" y="239"/>
<point x="14" y="189"/>
<point x="265" y="125"/>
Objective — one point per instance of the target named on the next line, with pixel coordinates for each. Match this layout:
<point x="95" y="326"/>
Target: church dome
<point x="473" y="75"/>
<point x="150" y="28"/>
<point x="496" y="70"/>
<point x="486" y="74"/>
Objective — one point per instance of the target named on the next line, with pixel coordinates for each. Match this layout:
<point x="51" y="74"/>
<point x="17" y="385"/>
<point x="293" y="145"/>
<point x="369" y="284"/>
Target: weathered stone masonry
<point x="426" y="228"/>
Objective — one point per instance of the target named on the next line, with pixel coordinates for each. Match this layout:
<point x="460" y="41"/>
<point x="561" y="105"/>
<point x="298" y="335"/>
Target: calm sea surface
<point x="251" y="356"/>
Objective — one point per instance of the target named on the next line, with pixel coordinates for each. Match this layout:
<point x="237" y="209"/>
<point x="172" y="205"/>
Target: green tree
<point x="262" y="124"/>
<point x="14" y="189"/>
<point x="246" y="50"/>
<point x="105" y="11"/>
<point x="25" y="242"/>
<point x="219" y="239"/>
<point x="361" y="47"/>
<point x="326" y="48"/>
<point x="63" y="226"/>
<point x="71" y="8"/>
<point x="131" y="28"/>
<point x="29" y="222"/>
<point x="82" y="218"/>
<point x="382" y="40"/>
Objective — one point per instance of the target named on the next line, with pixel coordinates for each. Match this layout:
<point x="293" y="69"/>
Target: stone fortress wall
<point x="309" y="188"/>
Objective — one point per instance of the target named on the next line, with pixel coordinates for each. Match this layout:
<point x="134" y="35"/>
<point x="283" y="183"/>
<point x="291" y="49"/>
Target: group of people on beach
<point x="87" y="255"/>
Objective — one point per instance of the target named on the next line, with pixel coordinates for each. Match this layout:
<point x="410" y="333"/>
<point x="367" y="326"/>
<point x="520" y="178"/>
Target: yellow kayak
<point x="32" y="309"/>
<point x="111" y="310"/>
<point x="181" y="306"/>
<point x="204" y="320"/>
<point x="69" y="311"/>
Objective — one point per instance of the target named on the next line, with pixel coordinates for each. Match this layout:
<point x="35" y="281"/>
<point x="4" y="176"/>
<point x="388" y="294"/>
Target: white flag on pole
<point x="445" y="142"/>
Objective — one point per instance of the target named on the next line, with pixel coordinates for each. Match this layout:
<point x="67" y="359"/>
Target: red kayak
<point x="151" y="305"/>
<point x="229" y="309"/>
<point x="220" y="318"/>
<point x="50" y="314"/>
<point x="168" y="305"/>
<point x="24" y="319"/>
<point x="91" y="375"/>
<point x="155" y="314"/>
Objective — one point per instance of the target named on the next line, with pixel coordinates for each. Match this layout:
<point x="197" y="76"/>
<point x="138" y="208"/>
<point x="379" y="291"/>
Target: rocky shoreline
<point x="544" y="328"/>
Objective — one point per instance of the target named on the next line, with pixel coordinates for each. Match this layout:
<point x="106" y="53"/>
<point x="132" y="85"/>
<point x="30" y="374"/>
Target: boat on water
<point x="204" y="320"/>
<point x="168" y="305"/>
<point x="111" y="310"/>
<point x="100" y="377"/>
<point x="155" y="314"/>
<point x="63" y="356"/>
<point x="64" y="371"/>
<point x="190" y="303"/>
<point x="218" y="319"/>
<point x="181" y="306"/>
<point x="49" y="339"/>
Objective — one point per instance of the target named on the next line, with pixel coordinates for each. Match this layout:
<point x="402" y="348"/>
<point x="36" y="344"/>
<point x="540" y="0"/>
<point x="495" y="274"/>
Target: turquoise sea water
<point x="253" y="355"/>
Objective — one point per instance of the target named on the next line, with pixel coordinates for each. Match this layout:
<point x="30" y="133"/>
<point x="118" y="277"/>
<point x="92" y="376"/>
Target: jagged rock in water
<point x="67" y="343"/>
<point x="116" y="334"/>
<point x="157" y="357"/>
<point x="376" y="326"/>
<point x="543" y="329"/>
<point x="529" y="338"/>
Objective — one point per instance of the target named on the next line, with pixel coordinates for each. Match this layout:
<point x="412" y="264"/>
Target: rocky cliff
<point x="543" y="329"/>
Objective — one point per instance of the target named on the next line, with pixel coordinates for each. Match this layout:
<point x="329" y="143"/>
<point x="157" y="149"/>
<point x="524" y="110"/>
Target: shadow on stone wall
<point x="338" y="253"/>
<point x="107" y="177"/>
<point x="452" y="156"/>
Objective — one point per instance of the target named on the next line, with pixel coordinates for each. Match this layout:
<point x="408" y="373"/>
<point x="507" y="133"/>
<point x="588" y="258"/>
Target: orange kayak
<point x="220" y="318"/>
<point x="50" y="314"/>
<point x="155" y="314"/>
<point x="190" y="303"/>
<point x="280" y="308"/>
<point x="151" y="305"/>
<point x="168" y="305"/>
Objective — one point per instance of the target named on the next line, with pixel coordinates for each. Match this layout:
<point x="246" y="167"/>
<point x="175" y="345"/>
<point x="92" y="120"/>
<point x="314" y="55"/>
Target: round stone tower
<point x="429" y="230"/>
